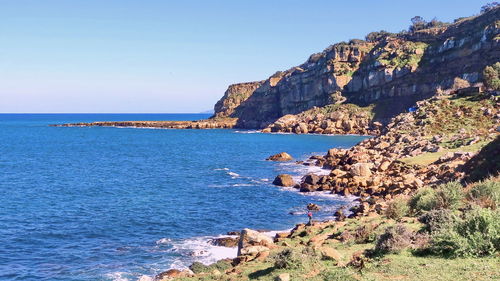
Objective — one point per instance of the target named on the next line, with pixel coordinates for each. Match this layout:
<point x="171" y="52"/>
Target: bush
<point x="292" y="258"/>
<point x="486" y="194"/>
<point x="491" y="75"/>
<point x="394" y="239"/>
<point x="478" y="234"/>
<point x="437" y="220"/>
<point x="365" y="233"/>
<point x="424" y="200"/>
<point x="397" y="208"/>
<point x="450" y="195"/>
<point x="198" y="267"/>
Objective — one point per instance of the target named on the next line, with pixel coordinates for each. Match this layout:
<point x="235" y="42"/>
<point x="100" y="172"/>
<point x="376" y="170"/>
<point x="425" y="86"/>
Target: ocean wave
<point x="248" y="132"/>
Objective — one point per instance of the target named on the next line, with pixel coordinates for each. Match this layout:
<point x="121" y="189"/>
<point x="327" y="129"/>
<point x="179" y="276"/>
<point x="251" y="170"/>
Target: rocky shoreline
<point x="227" y="123"/>
<point x="379" y="169"/>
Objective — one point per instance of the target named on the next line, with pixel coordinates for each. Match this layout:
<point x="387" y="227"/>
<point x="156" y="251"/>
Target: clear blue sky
<point x="174" y="56"/>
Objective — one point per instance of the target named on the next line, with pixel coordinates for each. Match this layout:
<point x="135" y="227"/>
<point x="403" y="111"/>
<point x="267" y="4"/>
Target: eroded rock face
<point x="392" y="73"/>
<point x="233" y="97"/>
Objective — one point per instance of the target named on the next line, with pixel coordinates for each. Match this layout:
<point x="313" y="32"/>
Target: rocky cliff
<point x="390" y="74"/>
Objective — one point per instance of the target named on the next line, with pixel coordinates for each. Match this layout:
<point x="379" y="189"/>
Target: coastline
<point x="204" y="249"/>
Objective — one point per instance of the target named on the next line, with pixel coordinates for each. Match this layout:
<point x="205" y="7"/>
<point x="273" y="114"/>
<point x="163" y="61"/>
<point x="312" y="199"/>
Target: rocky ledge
<point x="226" y="123"/>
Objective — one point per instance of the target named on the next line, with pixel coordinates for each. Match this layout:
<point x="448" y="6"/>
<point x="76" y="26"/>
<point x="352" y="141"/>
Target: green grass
<point x="430" y="157"/>
<point x="407" y="267"/>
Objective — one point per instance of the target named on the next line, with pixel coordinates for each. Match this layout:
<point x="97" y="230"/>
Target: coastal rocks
<point x="225" y="242"/>
<point x="326" y="120"/>
<point x="284" y="180"/>
<point x="171" y="274"/>
<point x="361" y="170"/>
<point x="221" y="123"/>
<point x="252" y="242"/>
<point x="313" y="207"/>
<point x="282" y="156"/>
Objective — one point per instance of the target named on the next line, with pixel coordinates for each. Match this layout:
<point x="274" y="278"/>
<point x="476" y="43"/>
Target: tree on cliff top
<point x="489" y="7"/>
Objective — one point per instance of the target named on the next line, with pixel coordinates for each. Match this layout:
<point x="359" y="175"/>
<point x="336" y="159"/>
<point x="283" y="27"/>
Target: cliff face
<point x="391" y="74"/>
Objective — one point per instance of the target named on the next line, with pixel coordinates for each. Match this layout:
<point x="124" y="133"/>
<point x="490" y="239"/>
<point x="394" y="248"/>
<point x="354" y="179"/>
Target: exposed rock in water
<point x="313" y="207"/>
<point x="225" y="242"/>
<point x="284" y="180"/>
<point x="282" y="156"/>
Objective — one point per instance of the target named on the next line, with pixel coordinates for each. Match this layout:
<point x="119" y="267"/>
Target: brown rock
<point x="328" y="253"/>
<point x="361" y="170"/>
<point x="313" y="207"/>
<point x="282" y="156"/>
<point x="284" y="180"/>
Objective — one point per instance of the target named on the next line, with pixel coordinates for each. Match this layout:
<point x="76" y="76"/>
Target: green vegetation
<point x="397" y="208"/>
<point x="404" y="54"/>
<point x="491" y="76"/>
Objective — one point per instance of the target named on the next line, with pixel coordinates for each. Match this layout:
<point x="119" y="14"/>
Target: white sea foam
<point x="248" y="132"/>
<point x="221" y="169"/>
<point x="233" y="175"/>
<point x="117" y="276"/>
<point x="200" y="249"/>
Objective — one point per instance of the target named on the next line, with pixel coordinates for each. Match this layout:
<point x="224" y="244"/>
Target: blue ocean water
<point x="102" y="203"/>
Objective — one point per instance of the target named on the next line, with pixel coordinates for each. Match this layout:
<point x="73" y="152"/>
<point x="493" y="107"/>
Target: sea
<point x="105" y="203"/>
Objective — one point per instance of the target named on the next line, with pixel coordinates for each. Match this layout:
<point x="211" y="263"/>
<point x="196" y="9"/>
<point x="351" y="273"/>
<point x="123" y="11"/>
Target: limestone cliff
<point x="389" y="74"/>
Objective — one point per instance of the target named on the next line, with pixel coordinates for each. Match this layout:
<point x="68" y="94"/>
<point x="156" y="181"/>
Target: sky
<point x="161" y="56"/>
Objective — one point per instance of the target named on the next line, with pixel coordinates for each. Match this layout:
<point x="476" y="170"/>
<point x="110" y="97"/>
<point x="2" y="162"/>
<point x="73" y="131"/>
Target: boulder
<point x="311" y="179"/>
<point x="284" y="180"/>
<point x="169" y="274"/>
<point x="361" y="170"/>
<point x="313" y="207"/>
<point x="328" y="253"/>
<point x="250" y="238"/>
<point x="283" y="277"/>
<point x="225" y="242"/>
<point x="282" y="156"/>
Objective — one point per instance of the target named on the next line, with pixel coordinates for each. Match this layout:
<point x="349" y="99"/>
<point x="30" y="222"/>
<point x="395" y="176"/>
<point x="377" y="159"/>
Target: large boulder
<point x="282" y="156"/>
<point x="284" y="180"/>
<point x="311" y="179"/>
<point x="249" y="239"/>
<point x="361" y="170"/>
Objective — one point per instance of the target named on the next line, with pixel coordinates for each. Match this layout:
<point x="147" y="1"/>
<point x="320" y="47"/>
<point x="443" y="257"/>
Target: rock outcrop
<point x="282" y="156"/>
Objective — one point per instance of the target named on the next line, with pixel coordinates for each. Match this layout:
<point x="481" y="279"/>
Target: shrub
<point x="486" y="193"/>
<point x="365" y="234"/>
<point x="491" y="75"/>
<point x="423" y="200"/>
<point x="397" y="208"/>
<point x="478" y="234"/>
<point x="450" y="195"/>
<point x="436" y="220"/>
<point x="292" y="258"/>
<point x="489" y="7"/>
<point x="198" y="267"/>
<point x="394" y="239"/>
